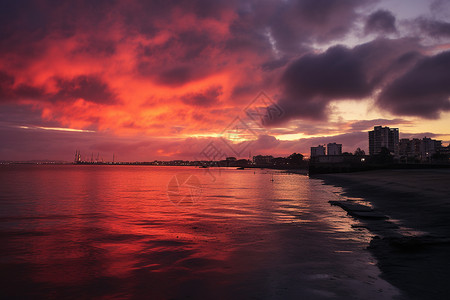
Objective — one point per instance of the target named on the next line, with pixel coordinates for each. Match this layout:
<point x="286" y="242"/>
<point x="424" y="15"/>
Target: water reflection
<point x="112" y="231"/>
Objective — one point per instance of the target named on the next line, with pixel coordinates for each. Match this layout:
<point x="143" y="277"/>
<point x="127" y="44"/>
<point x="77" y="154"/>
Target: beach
<point x="412" y="243"/>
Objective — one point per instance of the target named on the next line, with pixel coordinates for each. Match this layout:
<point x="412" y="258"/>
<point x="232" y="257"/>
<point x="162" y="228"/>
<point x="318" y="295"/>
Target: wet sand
<point x="412" y="246"/>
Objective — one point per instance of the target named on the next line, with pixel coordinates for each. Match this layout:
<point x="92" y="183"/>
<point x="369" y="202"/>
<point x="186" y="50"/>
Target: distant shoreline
<point x="414" y="255"/>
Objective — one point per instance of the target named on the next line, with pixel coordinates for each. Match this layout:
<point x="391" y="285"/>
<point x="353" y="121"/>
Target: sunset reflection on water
<point x="112" y="231"/>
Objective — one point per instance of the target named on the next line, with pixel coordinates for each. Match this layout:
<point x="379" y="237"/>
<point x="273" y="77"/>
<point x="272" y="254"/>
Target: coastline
<point x="412" y="245"/>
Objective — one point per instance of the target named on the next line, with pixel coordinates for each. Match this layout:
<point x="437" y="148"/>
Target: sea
<point x="160" y="232"/>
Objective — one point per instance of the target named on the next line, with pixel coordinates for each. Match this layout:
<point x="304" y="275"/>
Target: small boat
<point x="204" y="167"/>
<point x="240" y="168"/>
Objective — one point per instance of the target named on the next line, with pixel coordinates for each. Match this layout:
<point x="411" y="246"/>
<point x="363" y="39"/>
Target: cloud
<point x="369" y="124"/>
<point x="127" y="54"/>
<point x="313" y="81"/>
<point x="89" y="88"/>
<point x="298" y="23"/>
<point x="381" y="21"/>
<point x="423" y="91"/>
<point x="207" y="97"/>
<point x="86" y="87"/>
<point x="336" y="73"/>
<point x="310" y="83"/>
<point x="265" y="141"/>
<point x="434" y="28"/>
<point x="176" y="76"/>
<point x="189" y="67"/>
<point x="418" y="135"/>
<point x="10" y="91"/>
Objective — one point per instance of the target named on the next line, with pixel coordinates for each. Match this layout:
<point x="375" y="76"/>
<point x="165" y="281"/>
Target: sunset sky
<point x="162" y="80"/>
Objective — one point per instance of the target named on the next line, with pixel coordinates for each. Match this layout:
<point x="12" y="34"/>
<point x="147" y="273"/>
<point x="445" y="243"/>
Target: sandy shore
<point x="412" y="246"/>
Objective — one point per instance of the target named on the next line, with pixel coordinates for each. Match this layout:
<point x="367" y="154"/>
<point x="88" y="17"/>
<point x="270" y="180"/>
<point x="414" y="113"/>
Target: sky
<point x="204" y="79"/>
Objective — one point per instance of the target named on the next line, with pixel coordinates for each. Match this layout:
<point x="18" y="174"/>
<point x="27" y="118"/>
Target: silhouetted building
<point x="383" y="137"/>
<point x="405" y="147"/>
<point x="416" y="146"/>
<point x="429" y="148"/>
<point x="329" y="159"/>
<point x="445" y="150"/>
<point x="242" y="163"/>
<point x="334" y="149"/>
<point x="317" y="151"/>
<point x="262" y="160"/>
<point x="419" y="149"/>
<point x="280" y="161"/>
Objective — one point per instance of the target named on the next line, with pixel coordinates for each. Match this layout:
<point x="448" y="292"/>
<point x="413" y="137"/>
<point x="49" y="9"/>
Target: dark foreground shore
<point x="412" y="245"/>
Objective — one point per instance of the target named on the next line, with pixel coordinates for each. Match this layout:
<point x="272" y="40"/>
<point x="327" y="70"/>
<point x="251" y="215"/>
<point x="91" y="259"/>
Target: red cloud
<point x="150" y="68"/>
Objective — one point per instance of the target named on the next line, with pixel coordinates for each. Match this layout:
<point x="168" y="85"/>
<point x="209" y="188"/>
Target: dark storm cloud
<point x="381" y="21"/>
<point x="34" y="20"/>
<point x="205" y="98"/>
<point x="176" y="76"/>
<point x="297" y="23"/>
<point x="179" y="60"/>
<point x="87" y="87"/>
<point x="434" y="28"/>
<point x="274" y="64"/>
<point x="97" y="47"/>
<point x="9" y="92"/>
<point x="336" y="73"/>
<point x="6" y="87"/>
<point x="311" y="82"/>
<point x="292" y="25"/>
<point x="245" y="90"/>
<point x="184" y="47"/>
<point x="30" y="28"/>
<point x="140" y="13"/>
<point x="424" y="91"/>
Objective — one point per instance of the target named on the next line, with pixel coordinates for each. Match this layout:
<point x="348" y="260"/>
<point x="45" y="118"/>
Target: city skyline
<point x="403" y="146"/>
<point x="146" y="81"/>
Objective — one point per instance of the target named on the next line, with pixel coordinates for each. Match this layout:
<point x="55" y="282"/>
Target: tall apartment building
<point x="420" y="149"/>
<point x="334" y="149"/>
<point x="383" y="137"/>
<point x="317" y="151"/>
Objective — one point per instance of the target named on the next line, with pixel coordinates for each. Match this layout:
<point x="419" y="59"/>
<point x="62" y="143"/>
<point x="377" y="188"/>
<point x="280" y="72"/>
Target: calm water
<point x="175" y="232"/>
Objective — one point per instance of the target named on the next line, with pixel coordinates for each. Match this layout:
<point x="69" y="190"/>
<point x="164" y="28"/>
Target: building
<point x="334" y="149"/>
<point x="429" y="148"/>
<point x="330" y="159"/>
<point x="445" y="150"/>
<point x="317" y="151"/>
<point x="404" y="147"/>
<point x="419" y="149"/>
<point x="262" y="160"/>
<point x="416" y="146"/>
<point x="383" y="137"/>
